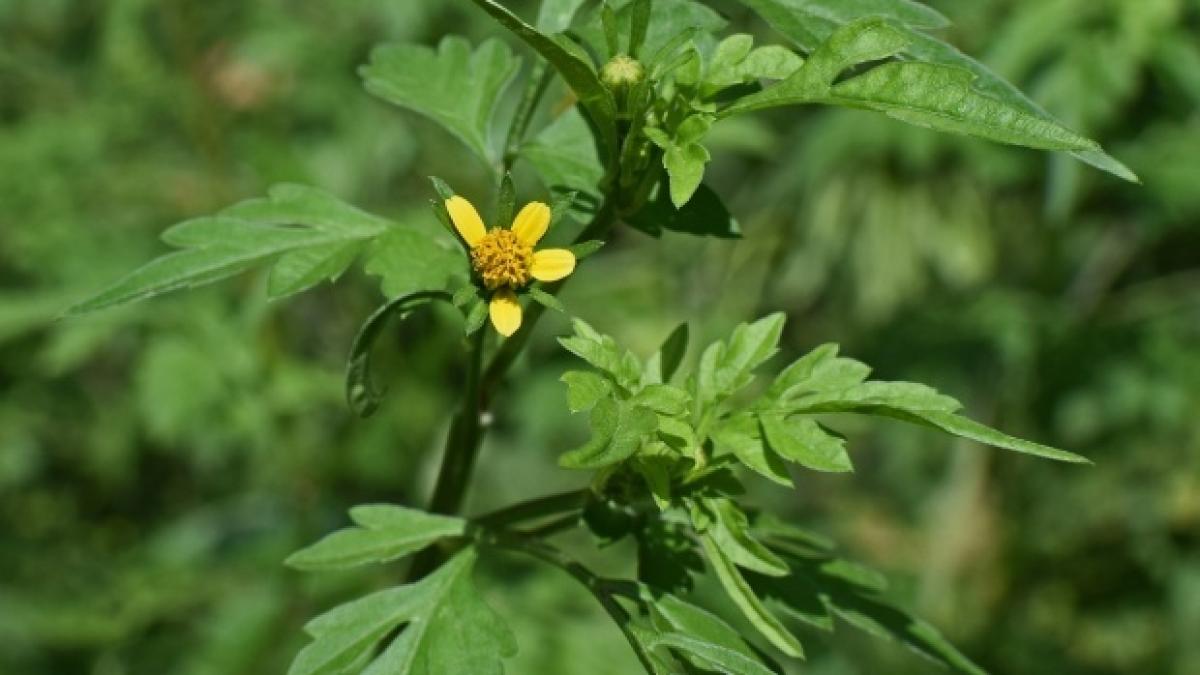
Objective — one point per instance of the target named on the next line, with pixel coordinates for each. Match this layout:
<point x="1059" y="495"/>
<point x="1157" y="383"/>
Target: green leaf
<point x="808" y="23"/>
<point x="705" y="215"/>
<point x="818" y="371"/>
<point x="699" y="633"/>
<point x="407" y="261"/>
<point x="555" y="16"/>
<point x="452" y="86"/>
<point x="304" y="268"/>
<point x="735" y="62"/>
<point x="931" y="95"/>
<point x="748" y="602"/>
<point x="584" y="389"/>
<point x="919" y="404"/>
<point x="579" y="74"/>
<point x="667" y="359"/>
<point x="731" y="532"/>
<point x="667" y="556"/>
<point x="664" y="399"/>
<point x="546" y="300"/>
<point x="727" y="367"/>
<point x="668" y="19"/>
<point x="602" y="352"/>
<point x="449" y="629"/>
<point x="803" y="441"/>
<point x="385" y="533"/>
<point x="618" y="431"/>
<point x="362" y="394"/>
<point x="564" y="155"/>
<point x="822" y="585"/>
<point x="685" y="167"/>
<point x="311" y="232"/>
<point x="742" y="436"/>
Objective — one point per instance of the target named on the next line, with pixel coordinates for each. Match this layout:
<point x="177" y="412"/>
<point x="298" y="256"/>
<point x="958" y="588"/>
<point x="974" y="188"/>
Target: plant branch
<point x="599" y="587"/>
<point x="458" y="459"/>
<point x="535" y="508"/>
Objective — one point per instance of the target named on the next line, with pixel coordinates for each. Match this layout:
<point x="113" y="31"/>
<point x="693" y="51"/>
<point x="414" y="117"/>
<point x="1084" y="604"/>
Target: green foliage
<point x="447" y="628"/>
<point x="384" y="533"/>
<point x="453" y="86"/>
<point x="207" y="437"/>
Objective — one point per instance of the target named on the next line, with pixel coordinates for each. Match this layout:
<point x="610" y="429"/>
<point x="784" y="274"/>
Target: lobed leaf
<point x="453" y="86"/>
<point x="576" y="70"/>
<point x="809" y="23"/>
<point x="313" y="235"/>
<point x="384" y="533"/>
<point x="448" y="629"/>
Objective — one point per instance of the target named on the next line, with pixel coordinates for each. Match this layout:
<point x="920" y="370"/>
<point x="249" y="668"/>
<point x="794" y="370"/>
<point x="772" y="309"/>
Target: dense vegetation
<point x="160" y="460"/>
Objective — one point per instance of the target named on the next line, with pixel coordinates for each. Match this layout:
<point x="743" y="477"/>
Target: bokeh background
<point x="158" y="462"/>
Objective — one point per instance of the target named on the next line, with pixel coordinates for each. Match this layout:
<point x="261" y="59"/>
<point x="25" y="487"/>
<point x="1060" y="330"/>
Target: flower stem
<point x="458" y="460"/>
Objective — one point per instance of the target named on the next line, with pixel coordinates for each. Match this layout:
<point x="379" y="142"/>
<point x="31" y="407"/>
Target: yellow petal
<point x="552" y="264"/>
<point x="531" y="223"/>
<point x="466" y="220"/>
<point x="505" y="312"/>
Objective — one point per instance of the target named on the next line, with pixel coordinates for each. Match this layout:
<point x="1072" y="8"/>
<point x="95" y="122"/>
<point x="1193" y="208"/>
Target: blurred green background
<point x="158" y="462"/>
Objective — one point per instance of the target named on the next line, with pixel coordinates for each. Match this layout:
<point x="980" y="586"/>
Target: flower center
<point x="501" y="259"/>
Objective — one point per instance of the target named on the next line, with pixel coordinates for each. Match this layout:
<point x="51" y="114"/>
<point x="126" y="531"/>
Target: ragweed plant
<point x="670" y="447"/>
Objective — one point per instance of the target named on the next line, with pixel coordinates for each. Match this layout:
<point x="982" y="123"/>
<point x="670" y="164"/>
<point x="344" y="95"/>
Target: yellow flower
<point x="505" y="260"/>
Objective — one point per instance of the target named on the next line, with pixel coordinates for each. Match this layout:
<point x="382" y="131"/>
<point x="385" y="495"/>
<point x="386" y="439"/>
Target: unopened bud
<point x="622" y="73"/>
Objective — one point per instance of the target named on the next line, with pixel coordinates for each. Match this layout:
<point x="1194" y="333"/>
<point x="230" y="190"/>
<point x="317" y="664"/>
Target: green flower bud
<point x="622" y="73"/>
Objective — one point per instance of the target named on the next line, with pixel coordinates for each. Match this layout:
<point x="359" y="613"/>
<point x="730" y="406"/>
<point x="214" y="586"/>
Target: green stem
<point x="535" y="508"/>
<point x="599" y="587"/>
<point x="458" y="460"/>
<point x="539" y="80"/>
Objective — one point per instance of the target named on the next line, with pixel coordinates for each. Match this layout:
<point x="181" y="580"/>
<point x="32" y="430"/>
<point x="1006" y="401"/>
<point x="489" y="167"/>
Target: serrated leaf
<point x="822" y="586"/>
<point x="708" y="637"/>
<point x="290" y="220"/>
<point x="584" y="389"/>
<point x="448" y="629"/>
<point x="922" y="405"/>
<point x="407" y="260"/>
<point x="618" y="431"/>
<point x="712" y="656"/>
<point x="742" y="436"/>
<point x="726" y="367"/>
<point x="576" y="70"/>
<point x="663" y="398"/>
<point x="808" y="23"/>
<point x="932" y="95"/>
<point x="748" y="602"/>
<point x="602" y="352"/>
<point x="302" y="269"/>
<point x="453" y="86"/>
<point x="818" y="371"/>
<point x="802" y="440"/>
<point x="385" y="533"/>
<point x="732" y="534"/>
